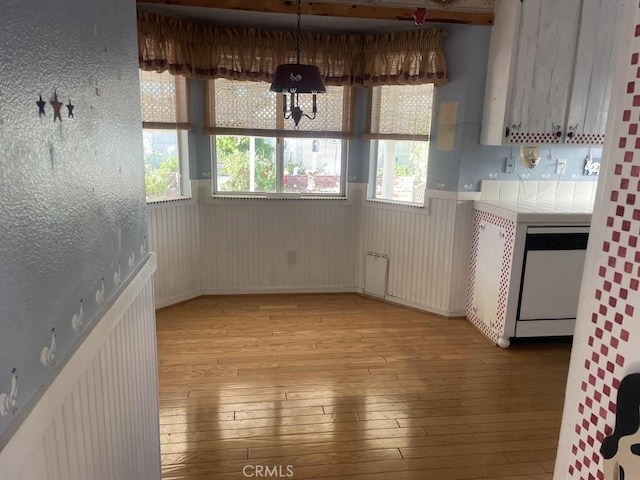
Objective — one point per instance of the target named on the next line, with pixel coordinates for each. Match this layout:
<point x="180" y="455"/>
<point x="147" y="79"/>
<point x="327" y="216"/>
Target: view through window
<point x="161" y="164"/>
<point x="164" y="118"/>
<point x="306" y="161"/>
<point x="400" y="125"/>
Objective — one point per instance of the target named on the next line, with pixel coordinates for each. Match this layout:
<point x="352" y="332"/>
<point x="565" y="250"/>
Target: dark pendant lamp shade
<point x="297" y="78"/>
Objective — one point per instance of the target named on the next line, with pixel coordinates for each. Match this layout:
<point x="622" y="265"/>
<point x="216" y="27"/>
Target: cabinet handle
<point x="557" y="130"/>
<point x="514" y="127"/>
<point x="570" y="134"/>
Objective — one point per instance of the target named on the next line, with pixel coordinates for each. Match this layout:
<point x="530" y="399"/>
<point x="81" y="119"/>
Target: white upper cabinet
<point x="593" y="73"/>
<point x="549" y="72"/>
<point x="544" y="62"/>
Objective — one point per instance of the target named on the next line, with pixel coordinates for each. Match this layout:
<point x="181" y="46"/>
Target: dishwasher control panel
<point x="556" y="241"/>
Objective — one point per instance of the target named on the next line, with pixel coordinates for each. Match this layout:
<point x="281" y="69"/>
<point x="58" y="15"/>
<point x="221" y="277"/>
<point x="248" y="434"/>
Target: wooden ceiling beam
<point x="335" y="10"/>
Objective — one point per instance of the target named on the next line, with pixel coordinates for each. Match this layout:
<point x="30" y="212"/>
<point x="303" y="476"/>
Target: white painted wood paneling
<point x="242" y="246"/>
<point x="99" y="418"/>
<point x="174" y="234"/>
<point x="549" y="71"/>
<point x="501" y="62"/>
<point x="245" y="246"/>
<point x="589" y="102"/>
<point x="544" y="65"/>
<point x="427" y="257"/>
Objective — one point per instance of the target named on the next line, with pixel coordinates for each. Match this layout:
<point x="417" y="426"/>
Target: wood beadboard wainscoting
<point x="174" y="234"/>
<point x="342" y="387"/>
<point x="428" y="252"/>
<point x="278" y="246"/>
<point x="99" y="417"/>
<point x="294" y="246"/>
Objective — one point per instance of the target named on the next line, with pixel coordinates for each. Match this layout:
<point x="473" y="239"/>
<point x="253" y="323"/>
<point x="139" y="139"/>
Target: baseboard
<point x="260" y="291"/>
<point x="251" y="291"/>
<point x="413" y="305"/>
<point x="419" y="306"/>
<point x="276" y="291"/>
<point x="178" y="299"/>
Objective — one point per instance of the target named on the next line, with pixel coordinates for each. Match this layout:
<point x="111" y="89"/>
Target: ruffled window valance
<point x="198" y="50"/>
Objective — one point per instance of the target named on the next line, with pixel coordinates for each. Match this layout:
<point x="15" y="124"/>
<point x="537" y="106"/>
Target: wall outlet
<point x="509" y="166"/>
<point x="561" y="167"/>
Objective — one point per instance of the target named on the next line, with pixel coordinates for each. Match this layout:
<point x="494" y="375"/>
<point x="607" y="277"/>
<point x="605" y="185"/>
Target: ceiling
<point x="328" y="15"/>
<point x="218" y="16"/>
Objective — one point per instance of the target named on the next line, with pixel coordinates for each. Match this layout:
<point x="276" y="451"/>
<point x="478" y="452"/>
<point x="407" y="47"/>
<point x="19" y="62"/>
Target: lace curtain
<point x="194" y="49"/>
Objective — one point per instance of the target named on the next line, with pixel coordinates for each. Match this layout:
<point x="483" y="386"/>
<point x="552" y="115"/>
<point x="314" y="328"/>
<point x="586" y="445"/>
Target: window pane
<point x="161" y="164"/>
<point x="245" y="164"/>
<point x="401" y="172"/>
<point x="312" y="165"/>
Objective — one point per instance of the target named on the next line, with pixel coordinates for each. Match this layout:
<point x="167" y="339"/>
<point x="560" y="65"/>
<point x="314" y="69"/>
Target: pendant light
<point x="295" y="78"/>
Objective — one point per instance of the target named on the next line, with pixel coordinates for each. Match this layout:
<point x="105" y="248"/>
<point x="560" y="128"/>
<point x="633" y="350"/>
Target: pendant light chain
<point x="294" y="79"/>
<point x="298" y="32"/>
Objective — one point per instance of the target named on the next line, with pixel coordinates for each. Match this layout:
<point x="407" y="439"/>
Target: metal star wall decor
<point x="41" y="104"/>
<point x="70" y="109"/>
<point x="56" y="104"/>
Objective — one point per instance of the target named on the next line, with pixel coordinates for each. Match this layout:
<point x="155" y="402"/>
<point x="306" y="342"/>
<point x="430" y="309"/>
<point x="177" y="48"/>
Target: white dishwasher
<point x="551" y="278"/>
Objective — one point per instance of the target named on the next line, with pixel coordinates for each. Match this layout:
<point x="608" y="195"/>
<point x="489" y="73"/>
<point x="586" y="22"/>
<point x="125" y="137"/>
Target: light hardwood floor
<point x="345" y="387"/>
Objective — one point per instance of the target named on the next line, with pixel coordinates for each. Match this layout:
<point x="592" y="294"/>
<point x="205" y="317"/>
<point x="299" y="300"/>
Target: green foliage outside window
<point x="160" y="178"/>
<point x="233" y="157"/>
<point x="417" y="166"/>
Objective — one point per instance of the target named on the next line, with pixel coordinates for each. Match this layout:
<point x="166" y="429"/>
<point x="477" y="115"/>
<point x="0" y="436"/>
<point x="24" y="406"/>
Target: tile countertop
<point x="538" y="212"/>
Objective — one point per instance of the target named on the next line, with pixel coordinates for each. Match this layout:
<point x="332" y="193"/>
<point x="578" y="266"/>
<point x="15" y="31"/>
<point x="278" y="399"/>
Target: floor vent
<point x="376" y="267"/>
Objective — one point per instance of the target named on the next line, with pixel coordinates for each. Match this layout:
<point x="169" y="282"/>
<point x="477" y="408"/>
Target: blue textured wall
<point x="73" y="213"/>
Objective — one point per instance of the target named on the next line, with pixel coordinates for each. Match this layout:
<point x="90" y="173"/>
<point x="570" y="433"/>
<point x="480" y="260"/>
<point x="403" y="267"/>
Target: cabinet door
<point x="488" y="274"/>
<point x="544" y="64"/>
<point x="587" y="116"/>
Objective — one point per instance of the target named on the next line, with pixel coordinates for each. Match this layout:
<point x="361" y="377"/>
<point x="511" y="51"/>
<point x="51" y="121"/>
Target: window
<point x="257" y="151"/>
<point x="165" y="120"/>
<point x="400" y="125"/>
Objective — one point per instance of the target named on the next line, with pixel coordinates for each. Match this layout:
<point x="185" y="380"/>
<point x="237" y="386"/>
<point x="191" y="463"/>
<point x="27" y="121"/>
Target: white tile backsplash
<point x="583" y="192"/>
<point x="565" y="192"/>
<point x="527" y="191"/>
<point x="509" y="191"/>
<point x="546" y="191"/>
<point x="491" y="190"/>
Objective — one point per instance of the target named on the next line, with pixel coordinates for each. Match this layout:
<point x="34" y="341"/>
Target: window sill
<point x="394" y="206"/>
<point x="394" y="203"/>
<point x="169" y="201"/>
<point x="275" y="199"/>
